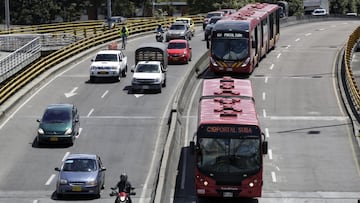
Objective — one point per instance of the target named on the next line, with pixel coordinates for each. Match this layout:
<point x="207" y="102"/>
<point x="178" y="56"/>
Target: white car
<point x="108" y="64"/>
<point x="319" y="12"/>
<point x="148" y="75"/>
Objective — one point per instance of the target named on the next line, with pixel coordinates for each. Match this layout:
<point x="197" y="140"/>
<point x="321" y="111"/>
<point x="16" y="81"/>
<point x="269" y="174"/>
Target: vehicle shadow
<point x="36" y="144"/>
<point x="130" y="90"/>
<point x="55" y="196"/>
<point x="102" y="81"/>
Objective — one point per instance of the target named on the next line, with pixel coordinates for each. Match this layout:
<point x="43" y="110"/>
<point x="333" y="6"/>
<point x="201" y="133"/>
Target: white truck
<point x="150" y="67"/>
<point x="108" y="64"/>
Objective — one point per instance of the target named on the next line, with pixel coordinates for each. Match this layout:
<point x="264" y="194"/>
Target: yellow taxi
<point x="188" y="21"/>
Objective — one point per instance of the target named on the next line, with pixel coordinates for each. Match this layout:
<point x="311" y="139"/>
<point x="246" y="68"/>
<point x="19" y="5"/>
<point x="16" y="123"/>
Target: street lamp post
<point x="7" y="14"/>
<point x="109" y="13"/>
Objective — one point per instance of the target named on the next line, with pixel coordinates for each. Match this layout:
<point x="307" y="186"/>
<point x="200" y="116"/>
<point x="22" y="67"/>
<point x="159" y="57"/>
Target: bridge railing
<point x="349" y="77"/>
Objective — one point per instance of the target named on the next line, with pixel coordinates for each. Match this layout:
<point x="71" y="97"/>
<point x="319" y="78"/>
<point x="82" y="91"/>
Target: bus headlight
<point x="213" y="62"/>
<point x="246" y="62"/>
<point x="251" y="184"/>
<point x="206" y="183"/>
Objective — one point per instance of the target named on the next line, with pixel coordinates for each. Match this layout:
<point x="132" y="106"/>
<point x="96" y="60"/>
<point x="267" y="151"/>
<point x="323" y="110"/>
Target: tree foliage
<point x="32" y="12"/>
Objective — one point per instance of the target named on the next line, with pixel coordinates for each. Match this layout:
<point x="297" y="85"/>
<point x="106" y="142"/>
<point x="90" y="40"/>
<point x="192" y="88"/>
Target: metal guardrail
<point x="350" y="81"/>
<point x="20" y="80"/>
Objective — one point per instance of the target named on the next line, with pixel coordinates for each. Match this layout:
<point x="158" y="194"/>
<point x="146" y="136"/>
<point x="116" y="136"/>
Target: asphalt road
<point x="313" y="156"/>
<point x="126" y="130"/>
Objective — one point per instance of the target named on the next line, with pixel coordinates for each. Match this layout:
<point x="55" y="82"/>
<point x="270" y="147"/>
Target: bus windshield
<point x="225" y="155"/>
<point x="230" y="49"/>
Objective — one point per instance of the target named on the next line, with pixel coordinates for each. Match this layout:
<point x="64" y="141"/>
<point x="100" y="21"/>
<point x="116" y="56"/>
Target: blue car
<point x="81" y="174"/>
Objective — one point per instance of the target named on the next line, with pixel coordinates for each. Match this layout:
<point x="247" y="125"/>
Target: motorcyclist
<point x="160" y="29"/>
<point x="123" y="186"/>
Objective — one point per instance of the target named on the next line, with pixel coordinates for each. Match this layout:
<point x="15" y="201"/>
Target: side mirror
<point x="38" y="120"/>
<point x="265" y="147"/>
<point x="57" y="169"/>
<point x="92" y="60"/>
<point x="76" y="119"/>
<point x="192" y="147"/>
<point x="103" y="169"/>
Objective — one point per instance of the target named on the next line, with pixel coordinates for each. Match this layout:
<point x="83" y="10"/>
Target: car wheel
<point x="123" y="73"/>
<point x="164" y="84"/>
<point x="92" y="79"/>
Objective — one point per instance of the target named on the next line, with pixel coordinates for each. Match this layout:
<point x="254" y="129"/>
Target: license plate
<point x="145" y="86"/>
<point x="76" y="188"/>
<point x="102" y="72"/>
<point x="175" y="59"/>
<point x="54" y="139"/>
<point x="228" y="194"/>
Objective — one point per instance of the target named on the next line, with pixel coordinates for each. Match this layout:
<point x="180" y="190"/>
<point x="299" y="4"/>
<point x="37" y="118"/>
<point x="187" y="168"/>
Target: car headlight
<point x="40" y="131"/>
<point x="93" y="68"/>
<point x="157" y="80"/>
<point x="68" y="131"/>
<point x="92" y="183"/>
<point x="63" y="181"/>
<point x="114" y="68"/>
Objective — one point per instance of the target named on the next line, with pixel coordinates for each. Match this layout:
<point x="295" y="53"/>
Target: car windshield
<point x="106" y="57"/>
<point x="56" y="116"/>
<point x="183" y="21"/>
<point x="230" y="49"/>
<point x="177" y="27"/>
<point x="209" y="15"/>
<point x="213" y="20"/>
<point x="79" y="165"/>
<point x="176" y="45"/>
<point x="147" y="68"/>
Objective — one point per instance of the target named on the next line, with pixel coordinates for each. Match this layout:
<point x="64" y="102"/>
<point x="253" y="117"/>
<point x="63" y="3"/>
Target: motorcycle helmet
<point x="123" y="177"/>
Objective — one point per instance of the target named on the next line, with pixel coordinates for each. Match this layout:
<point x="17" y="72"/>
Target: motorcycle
<point x="122" y="197"/>
<point x="159" y="37"/>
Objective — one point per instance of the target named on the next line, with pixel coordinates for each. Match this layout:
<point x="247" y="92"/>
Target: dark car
<point x="59" y="124"/>
<point x="81" y="174"/>
<point x="210" y="26"/>
<point x="178" y="30"/>
<point x="179" y="51"/>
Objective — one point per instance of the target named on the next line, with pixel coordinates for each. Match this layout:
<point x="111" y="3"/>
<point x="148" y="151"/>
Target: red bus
<point x="238" y="42"/>
<point x="229" y="146"/>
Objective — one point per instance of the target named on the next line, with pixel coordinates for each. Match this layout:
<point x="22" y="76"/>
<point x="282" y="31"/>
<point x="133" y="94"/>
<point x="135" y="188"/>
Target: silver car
<point x="178" y="30"/>
<point x="81" y="174"/>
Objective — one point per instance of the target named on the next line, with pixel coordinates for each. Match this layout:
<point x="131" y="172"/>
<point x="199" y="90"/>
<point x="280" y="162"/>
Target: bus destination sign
<point x="229" y="35"/>
<point x="228" y="129"/>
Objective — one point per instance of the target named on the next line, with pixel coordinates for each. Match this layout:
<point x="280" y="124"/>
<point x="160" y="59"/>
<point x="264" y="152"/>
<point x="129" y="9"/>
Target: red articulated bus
<point x="239" y="41"/>
<point x="229" y="144"/>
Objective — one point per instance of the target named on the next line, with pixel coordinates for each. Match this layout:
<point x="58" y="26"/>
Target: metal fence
<point x="24" y="50"/>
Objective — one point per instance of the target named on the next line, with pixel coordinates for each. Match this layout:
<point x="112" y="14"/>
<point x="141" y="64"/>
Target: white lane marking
<point x="272" y="66"/>
<point x="270" y="154"/>
<point x="78" y="135"/>
<point x="71" y="93"/>
<point x="138" y="95"/>
<point x="273" y="176"/>
<point x="89" y="114"/>
<point x="288" y="46"/>
<point x="266" y="79"/>
<point x="267" y="135"/>
<point x="264" y="113"/>
<point x="264" y="96"/>
<point x="120" y="117"/>
<point x="315" y="118"/>
<point x="35" y="201"/>
<point x="155" y="155"/>
<point x="37" y="92"/>
<point x="298" y="39"/>
<point x="65" y="156"/>
<point x="307" y="34"/>
<point x="278" y="56"/>
<point x="48" y="182"/>
<point x="105" y="93"/>
<point x="277" y="168"/>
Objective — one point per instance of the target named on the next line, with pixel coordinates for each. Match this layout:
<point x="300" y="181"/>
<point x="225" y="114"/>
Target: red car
<point x="179" y="51"/>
